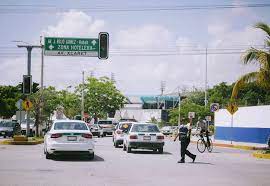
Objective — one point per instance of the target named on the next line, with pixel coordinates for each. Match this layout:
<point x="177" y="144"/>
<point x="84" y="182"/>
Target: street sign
<point x="191" y="115"/>
<point x="19" y="104"/>
<point x="20" y="115"/>
<point x="27" y="105"/>
<point x="214" y="107"/>
<point x="82" y="47"/>
<point x="208" y="118"/>
<point x="232" y="108"/>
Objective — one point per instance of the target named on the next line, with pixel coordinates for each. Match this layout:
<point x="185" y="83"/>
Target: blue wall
<point x="241" y="134"/>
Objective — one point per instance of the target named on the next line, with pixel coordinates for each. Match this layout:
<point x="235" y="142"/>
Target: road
<point x="26" y="165"/>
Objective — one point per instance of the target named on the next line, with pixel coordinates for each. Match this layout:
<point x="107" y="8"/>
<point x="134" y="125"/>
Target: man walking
<point x="184" y="137"/>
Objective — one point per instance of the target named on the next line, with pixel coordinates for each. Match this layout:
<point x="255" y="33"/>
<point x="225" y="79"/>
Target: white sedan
<point x="69" y="137"/>
<point x="144" y="136"/>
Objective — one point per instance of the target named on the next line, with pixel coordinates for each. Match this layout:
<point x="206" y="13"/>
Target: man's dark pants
<point x="184" y="151"/>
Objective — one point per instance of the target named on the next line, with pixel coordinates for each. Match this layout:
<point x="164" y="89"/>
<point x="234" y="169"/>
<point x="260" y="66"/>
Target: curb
<point x="242" y="147"/>
<point x="261" y="155"/>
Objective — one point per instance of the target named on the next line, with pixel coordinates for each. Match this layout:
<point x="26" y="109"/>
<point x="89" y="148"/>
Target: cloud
<point x="146" y="36"/>
<point x="142" y="73"/>
<point x="75" y="23"/>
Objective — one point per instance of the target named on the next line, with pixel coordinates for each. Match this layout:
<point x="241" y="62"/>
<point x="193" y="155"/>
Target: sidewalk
<point x="233" y="144"/>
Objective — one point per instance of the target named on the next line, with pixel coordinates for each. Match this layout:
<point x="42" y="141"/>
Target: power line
<point x="38" y="9"/>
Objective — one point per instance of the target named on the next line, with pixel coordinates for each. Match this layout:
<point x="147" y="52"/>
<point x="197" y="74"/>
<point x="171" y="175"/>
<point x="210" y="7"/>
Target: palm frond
<point x="250" y="77"/>
<point x="256" y="56"/>
<point x="264" y="27"/>
<point x="264" y="78"/>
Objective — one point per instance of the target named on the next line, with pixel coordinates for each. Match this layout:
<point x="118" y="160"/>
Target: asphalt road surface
<point x="26" y="165"/>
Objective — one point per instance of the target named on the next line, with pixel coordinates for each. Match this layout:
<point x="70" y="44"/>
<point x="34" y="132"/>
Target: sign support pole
<point x="232" y="129"/>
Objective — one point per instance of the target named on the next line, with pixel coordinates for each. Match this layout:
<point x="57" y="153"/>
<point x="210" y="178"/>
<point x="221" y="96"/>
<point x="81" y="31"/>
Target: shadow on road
<point x="202" y="163"/>
<point x="77" y="159"/>
<point x="215" y="152"/>
<point x="150" y="152"/>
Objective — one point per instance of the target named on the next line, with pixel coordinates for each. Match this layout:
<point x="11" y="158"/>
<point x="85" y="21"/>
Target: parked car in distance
<point x="69" y="137"/>
<point x="107" y="126"/>
<point x="6" y="128"/>
<point x="166" y="130"/>
<point x="96" y="130"/>
<point x="121" y="129"/>
<point x="144" y="136"/>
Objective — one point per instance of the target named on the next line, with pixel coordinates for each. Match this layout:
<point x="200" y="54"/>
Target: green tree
<point x="259" y="57"/>
<point x="9" y="95"/>
<point x="101" y="97"/>
<point x="220" y="94"/>
<point x="186" y="107"/>
<point x="48" y="100"/>
<point x="71" y="103"/>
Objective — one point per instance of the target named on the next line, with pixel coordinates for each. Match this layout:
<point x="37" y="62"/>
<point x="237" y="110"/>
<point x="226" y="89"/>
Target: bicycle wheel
<point x="201" y="146"/>
<point x="210" y="148"/>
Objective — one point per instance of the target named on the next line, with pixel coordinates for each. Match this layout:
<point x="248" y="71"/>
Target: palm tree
<point x="259" y="57"/>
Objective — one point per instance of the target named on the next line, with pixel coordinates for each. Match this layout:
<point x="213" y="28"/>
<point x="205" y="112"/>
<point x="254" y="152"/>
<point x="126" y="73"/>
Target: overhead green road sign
<point x="57" y="46"/>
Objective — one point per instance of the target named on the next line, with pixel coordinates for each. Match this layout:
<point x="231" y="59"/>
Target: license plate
<point x="147" y="138"/>
<point x="72" y="138"/>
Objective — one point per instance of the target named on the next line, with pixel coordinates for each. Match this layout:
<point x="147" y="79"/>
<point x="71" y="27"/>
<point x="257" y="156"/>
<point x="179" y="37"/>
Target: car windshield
<point x="105" y="122"/>
<point x="125" y="126"/>
<point x="70" y="126"/>
<point x="145" y="128"/>
<point x="166" y="128"/>
<point x="7" y="124"/>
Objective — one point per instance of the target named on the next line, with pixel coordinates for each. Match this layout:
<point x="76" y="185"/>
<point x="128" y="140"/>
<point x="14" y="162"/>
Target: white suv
<point x="144" y="136"/>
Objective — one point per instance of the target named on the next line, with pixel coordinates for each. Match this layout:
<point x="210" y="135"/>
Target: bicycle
<point x="202" y="144"/>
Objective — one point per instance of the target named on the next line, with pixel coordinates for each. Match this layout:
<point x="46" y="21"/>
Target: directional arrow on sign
<point x="51" y="47"/>
<point x="94" y="42"/>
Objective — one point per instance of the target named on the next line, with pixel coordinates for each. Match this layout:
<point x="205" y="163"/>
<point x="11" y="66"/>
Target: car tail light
<point x="119" y="132"/>
<point x="87" y="135"/>
<point x="56" y="135"/>
<point x="160" y="137"/>
<point x="133" y="137"/>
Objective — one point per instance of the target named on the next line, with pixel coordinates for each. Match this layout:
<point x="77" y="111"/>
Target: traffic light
<point x="27" y="84"/>
<point x="35" y="87"/>
<point x="103" y="45"/>
<point x="20" y="87"/>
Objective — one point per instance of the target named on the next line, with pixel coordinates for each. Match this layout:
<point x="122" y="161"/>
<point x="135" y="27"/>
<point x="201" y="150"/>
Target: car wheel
<point x="155" y="150"/>
<point x="160" y="150"/>
<point x="128" y="149"/>
<point x="98" y="136"/>
<point x="5" y="136"/>
<point x="104" y="135"/>
<point x="91" y="156"/>
<point x="48" y="156"/>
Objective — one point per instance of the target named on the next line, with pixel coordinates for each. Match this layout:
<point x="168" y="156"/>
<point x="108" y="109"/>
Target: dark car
<point x="7" y="127"/>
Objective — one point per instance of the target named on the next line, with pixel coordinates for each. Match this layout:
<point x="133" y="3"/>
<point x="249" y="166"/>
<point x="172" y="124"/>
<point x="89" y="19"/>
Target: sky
<point x="146" y="47"/>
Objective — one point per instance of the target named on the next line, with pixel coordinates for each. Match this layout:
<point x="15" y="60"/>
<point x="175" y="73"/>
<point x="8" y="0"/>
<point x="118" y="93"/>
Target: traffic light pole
<point x="29" y="50"/>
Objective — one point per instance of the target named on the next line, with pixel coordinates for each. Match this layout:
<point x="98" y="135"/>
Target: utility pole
<point x="179" y="105"/>
<point x="29" y="50"/>
<point x="82" y="113"/>
<point x="41" y="84"/>
<point x="205" y="90"/>
<point x="162" y="87"/>
<point x="113" y="77"/>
